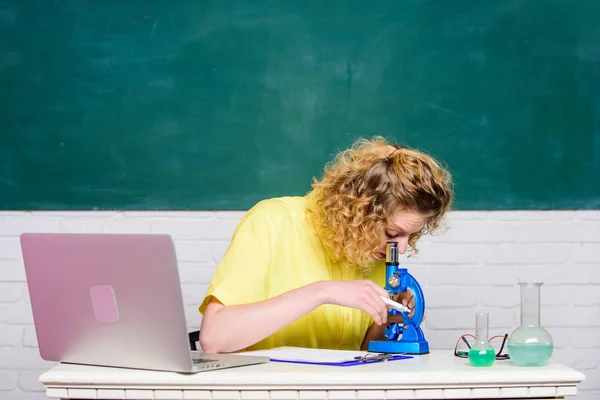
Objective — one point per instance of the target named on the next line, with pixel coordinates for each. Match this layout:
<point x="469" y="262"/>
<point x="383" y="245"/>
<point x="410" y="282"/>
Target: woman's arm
<point x="227" y="329"/>
<point x="230" y="328"/>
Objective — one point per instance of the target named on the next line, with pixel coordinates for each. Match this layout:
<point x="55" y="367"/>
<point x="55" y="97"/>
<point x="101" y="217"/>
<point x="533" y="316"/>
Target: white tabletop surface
<point x="437" y="369"/>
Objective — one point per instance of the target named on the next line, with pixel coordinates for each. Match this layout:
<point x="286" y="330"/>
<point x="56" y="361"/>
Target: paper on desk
<point x="307" y="354"/>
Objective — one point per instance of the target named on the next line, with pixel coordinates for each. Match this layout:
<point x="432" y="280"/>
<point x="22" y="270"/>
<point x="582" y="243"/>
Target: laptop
<point x="113" y="300"/>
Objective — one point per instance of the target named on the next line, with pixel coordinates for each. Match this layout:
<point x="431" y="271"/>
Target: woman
<point x="309" y="271"/>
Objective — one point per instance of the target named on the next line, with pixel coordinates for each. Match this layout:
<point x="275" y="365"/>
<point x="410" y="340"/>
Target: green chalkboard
<point x="192" y="104"/>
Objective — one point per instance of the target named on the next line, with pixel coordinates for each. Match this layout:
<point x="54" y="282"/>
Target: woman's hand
<point x="361" y="294"/>
<point x="406" y="299"/>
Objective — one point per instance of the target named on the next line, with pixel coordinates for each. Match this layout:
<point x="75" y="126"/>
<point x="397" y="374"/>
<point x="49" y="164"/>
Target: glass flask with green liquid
<point x="530" y="345"/>
<point x="481" y="354"/>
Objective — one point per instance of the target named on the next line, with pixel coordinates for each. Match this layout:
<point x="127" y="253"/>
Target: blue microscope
<point x="407" y="338"/>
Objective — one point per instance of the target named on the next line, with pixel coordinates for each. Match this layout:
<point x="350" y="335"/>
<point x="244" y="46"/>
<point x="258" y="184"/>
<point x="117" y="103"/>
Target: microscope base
<point x="398" y="346"/>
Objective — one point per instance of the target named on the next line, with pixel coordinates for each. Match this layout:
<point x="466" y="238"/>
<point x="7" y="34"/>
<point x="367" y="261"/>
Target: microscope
<point x="407" y="337"/>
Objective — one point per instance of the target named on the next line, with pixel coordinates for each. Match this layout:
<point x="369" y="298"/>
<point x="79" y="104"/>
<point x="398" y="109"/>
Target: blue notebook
<point x="336" y="358"/>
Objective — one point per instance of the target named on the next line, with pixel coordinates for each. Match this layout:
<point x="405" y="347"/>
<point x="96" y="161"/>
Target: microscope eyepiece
<point x="391" y="253"/>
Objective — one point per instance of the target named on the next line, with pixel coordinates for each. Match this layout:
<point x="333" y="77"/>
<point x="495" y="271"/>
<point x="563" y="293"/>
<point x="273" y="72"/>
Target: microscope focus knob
<point x="393" y="331"/>
<point x="394" y="281"/>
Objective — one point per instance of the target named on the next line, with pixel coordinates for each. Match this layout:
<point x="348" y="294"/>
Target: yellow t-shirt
<point x="275" y="249"/>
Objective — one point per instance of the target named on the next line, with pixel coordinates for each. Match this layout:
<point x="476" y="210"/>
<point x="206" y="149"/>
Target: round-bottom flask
<point x="530" y="345"/>
<point x="481" y="354"/>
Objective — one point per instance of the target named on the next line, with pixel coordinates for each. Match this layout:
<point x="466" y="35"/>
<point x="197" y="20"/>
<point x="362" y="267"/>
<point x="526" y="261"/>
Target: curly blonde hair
<point x="366" y="184"/>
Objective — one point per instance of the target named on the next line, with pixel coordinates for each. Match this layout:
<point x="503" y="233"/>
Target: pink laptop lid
<point x="107" y="299"/>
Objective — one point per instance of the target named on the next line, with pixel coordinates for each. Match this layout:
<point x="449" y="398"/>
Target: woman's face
<point x="399" y="227"/>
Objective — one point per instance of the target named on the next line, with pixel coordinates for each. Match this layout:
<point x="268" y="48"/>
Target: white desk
<point x="438" y="375"/>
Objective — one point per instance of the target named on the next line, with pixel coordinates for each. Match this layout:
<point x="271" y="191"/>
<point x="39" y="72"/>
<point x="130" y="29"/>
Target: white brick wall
<point x="473" y="266"/>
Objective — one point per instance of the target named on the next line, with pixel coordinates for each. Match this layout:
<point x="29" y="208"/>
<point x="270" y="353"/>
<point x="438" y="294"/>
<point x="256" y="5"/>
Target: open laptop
<point x="112" y="300"/>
